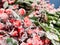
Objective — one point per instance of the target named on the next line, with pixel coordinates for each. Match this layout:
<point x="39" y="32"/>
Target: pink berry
<point x="1" y="26"/>
<point x="2" y="11"/>
<point x="27" y="22"/>
<point x="23" y="43"/>
<point x="8" y="11"/>
<point x="3" y="16"/>
<point x="22" y="11"/>
<point x="4" y="0"/>
<point x="29" y="31"/>
<point x="33" y="5"/>
<point x="15" y="6"/>
<point x="11" y="1"/>
<point x="15" y="33"/>
<point x="41" y="42"/>
<point x="29" y="41"/>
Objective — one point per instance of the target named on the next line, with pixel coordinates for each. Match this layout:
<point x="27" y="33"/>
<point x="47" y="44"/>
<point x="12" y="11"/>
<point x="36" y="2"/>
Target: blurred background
<point x="55" y="2"/>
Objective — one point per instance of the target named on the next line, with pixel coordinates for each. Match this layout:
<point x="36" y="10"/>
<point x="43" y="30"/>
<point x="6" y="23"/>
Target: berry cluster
<point x="16" y="24"/>
<point x="26" y="32"/>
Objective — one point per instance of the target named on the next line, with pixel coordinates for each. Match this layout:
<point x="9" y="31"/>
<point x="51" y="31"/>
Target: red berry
<point x="11" y="20"/>
<point x="15" y="33"/>
<point x="47" y="41"/>
<point x="1" y="35"/>
<point x="41" y="42"/>
<point x="17" y="23"/>
<point x="20" y="30"/>
<point x="22" y="11"/>
<point x="29" y="43"/>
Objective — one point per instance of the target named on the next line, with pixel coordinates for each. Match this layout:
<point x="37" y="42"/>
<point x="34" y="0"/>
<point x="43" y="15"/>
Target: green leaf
<point x="54" y="15"/>
<point x="34" y="18"/>
<point x="28" y="0"/>
<point x="23" y="1"/>
<point x="5" y="5"/>
<point x="58" y="23"/>
<point x="36" y="23"/>
<point x="9" y="40"/>
<point x="58" y="13"/>
<point x="14" y="43"/>
<point x="44" y="26"/>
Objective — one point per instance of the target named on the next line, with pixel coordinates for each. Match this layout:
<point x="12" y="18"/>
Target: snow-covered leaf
<point x="5" y="5"/>
<point x="11" y="7"/>
<point x="10" y="43"/>
<point x="52" y="36"/>
<point x="55" y="42"/>
<point x="16" y="15"/>
<point x="41" y="33"/>
<point x="20" y="1"/>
